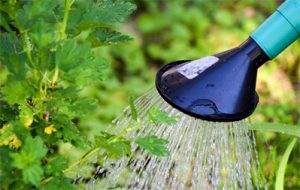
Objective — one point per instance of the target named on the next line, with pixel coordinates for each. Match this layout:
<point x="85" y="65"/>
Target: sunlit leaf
<point x="291" y="130"/>
<point x="158" y="116"/>
<point x="154" y="144"/>
<point x="279" y="183"/>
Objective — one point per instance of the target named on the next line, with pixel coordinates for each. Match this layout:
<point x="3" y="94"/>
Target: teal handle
<point x="280" y="30"/>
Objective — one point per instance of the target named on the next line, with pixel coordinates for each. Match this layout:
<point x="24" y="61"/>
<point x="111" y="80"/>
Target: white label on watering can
<point x="193" y="68"/>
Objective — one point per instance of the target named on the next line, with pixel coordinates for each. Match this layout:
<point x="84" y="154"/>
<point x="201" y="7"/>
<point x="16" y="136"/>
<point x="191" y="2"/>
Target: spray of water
<point x="204" y="155"/>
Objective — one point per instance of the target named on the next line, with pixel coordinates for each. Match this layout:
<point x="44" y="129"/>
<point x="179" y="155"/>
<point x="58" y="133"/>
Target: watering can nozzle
<point x="216" y="88"/>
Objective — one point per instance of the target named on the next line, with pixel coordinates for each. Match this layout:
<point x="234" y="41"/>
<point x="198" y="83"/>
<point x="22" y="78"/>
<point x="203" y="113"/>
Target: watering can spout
<point x="217" y="88"/>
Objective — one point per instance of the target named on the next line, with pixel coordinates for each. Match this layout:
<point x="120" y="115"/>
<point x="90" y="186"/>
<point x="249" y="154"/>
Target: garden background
<point x="166" y="30"/>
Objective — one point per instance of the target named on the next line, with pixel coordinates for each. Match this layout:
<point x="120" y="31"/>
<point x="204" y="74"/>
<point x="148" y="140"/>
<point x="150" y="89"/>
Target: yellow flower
<point x="50" y="129"/>
<point x="15" y="142"/>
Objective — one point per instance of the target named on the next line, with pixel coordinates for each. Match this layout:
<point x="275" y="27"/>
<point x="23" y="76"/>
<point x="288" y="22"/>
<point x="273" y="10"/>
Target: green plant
<point x="285" y="129"/>
<point x="279" y="184"/>
<point x="49" y="55"/>
<point x="291" y="130"/>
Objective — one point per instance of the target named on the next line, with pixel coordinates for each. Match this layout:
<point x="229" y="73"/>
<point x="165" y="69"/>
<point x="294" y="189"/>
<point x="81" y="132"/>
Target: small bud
<point x="46" y="116"/>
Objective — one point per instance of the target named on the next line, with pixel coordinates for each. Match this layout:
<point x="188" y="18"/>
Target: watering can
<point x="221" y="87"/>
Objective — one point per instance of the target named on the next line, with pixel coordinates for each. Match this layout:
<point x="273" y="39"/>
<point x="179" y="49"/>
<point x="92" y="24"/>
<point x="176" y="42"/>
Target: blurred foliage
<point x="165" y="31"/>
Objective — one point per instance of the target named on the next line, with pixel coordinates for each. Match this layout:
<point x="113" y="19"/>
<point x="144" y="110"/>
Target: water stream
<point x="204" y="155"/>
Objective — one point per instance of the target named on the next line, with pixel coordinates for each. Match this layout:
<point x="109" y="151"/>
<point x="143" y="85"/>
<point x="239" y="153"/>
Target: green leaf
<point x="106" y="36"/>
<point x="78" y="63"/>
<point x="291" y="130"/>
<point x="72" y="134"/>
<point x="19" y="129"/>
<point x="7" y="112"/>
<point x="4" y="23"/>
<point x="12" y="55"/>
<point x="114" y="150"/>
<point x="26" y="116"/>
<point x="279" y="183"/>
<point x="118" y="149"/>
<point x="83" y="106"/>
<point x="16" y="92"/>
<point x="60" y="183"/>
<point x="32" y="174"/>
<point x="132" y="109"/>
<point x="154" y="144"/>
<point x="56" y="165"/>
<point x="28" y="160"/>
<point x="71" y="55"/>
<point x="6" y="171"/>
<point x="158" y="116"/>
<point x="34" y="11"/>
<point x="86" y="12"/>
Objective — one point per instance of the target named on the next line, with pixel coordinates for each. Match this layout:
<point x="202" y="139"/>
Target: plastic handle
<point x="280" y="30"/>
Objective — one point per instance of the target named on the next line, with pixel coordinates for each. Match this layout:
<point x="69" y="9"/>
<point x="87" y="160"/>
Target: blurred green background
<point x="168" y="30"/>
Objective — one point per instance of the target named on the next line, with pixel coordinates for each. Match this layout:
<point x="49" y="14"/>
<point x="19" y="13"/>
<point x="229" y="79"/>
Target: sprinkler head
<point x="215" y="88"/>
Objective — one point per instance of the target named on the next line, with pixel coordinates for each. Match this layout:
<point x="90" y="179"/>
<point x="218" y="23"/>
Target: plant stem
<point x="86" y="156"/>
<point x="68" y="5"/>
<point x="55" y="77"/>
<point x="63" y="36"/>
<point x="94" y="150"/>
<point x="126" y="130"/>
<point x="27" y="47"/>
<point x="91" y="152"/>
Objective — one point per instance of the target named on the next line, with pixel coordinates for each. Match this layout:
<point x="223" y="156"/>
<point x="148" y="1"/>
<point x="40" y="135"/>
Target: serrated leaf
<point x="12" y="56"/>
<point x="6" y="174"/>
<point x="33" y="147"/>
<point x="154" y="144"/>
<point x="83" y="106"/>
<point x="18" y="128"/>
<point x="87" y="12"/>
<point x="118" y="149"/>
<point x="158" y="116"/>
<point x="56" y="165"/>
<point x="71" y="55"/>
<point x="32" y="174"/>
<point x="34" y="11"/>
<point x="106" y="36"/>
<point x="28" y="160"/>
<point x="114" y="150"/>
<point x="16" y="92"/>
<point x="72" y="134"/>
<point x="78" y="63"/>
<point x="26" y="116"/>
<point x="133" y="111"/>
